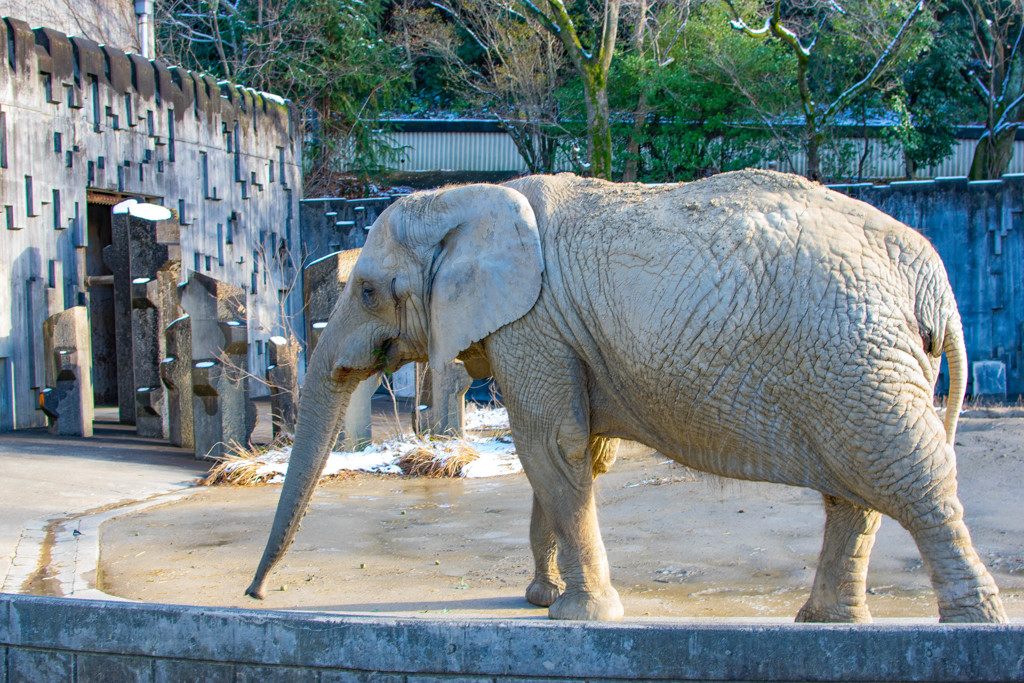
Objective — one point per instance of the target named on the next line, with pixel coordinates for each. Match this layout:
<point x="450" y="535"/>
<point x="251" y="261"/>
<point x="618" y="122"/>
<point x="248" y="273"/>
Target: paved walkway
<point x="45" y="477"/>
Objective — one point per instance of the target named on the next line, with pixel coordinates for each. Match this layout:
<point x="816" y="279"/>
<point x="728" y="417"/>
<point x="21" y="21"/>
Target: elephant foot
<point x="835" y="613"/>
<point x="255" y="590"/>
<point x="583" y="606"/>
<point x="988" y="611"/>
<point x="542" y="592"/>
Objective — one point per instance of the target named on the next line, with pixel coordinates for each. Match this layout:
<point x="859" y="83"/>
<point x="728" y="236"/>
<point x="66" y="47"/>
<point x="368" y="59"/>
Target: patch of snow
<point x="497" y="457"/>
<point x="122" y="207"/>
<point x="151" y="212"/>
<point x="272" y="97"/>
<point x="486" y="417"/>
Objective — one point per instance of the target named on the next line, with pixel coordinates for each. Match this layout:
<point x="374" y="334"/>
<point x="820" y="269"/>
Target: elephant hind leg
<point x="922" y="496"/>
<point x="965" y="590"/>
<point x="838" y="594"/>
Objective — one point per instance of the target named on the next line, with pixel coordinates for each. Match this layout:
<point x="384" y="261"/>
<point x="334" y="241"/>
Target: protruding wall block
<point x="323" y="282"/>
<point x="68" y="402"/>
<point x="155" y="269"/>
<point x="440" y="406"/>
<point x="176" y="375"/>
<point x="283" y="380"/>
<point x="222" y="412"/>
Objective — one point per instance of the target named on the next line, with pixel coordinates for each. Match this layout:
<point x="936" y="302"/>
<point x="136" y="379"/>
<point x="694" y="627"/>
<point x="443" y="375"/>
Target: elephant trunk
<point x="321" y="409"/>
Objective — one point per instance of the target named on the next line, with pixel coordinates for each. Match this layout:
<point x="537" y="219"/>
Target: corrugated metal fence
<point x="483" y="146"/>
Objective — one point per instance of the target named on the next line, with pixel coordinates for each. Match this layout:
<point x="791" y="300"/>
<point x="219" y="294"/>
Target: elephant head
<point x="439" y="271"/>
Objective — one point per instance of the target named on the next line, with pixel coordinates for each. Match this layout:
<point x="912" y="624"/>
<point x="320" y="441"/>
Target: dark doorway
<point x="101" y="306"/>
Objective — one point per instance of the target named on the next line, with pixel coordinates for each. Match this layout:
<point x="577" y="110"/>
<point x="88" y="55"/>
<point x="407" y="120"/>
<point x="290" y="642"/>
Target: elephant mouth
<point x="382" y="356"/>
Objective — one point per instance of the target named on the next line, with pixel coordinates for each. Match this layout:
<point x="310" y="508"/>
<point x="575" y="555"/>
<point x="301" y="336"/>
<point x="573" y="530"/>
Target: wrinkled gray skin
<point x="752" y="325"/>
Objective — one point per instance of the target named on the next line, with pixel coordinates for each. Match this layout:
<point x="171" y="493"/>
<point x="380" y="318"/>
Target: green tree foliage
<point x="840" y="54"/>
<point x="933" y="97"/>
<point x="591" y="65"/>
<point x="325" y="55"/>
<point x="513" y="74"/>
<point x="654" y="90"/>
<point x="683" y="119"/>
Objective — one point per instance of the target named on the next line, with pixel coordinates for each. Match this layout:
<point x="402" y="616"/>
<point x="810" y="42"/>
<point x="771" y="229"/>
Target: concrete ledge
<point x="77" y="640"/>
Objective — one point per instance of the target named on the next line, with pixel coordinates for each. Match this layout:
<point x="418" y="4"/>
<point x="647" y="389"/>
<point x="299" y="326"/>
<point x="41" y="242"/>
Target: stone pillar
<point x="155" y="269"/>
<point x="283" y="380"/>
<point x="115" y="255"/>
<point x="176" y="375"/>
<point x="322" y="283"/>
<point x="440" y="406"/>
<point x="356" y="430"/>
<point x="144" y="238"/>
<point x="222" y="412"/>
<point x="67" y="402"/>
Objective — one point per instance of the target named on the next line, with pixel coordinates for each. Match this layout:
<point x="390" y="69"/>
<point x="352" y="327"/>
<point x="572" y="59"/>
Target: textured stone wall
<point x="82" y="126"/>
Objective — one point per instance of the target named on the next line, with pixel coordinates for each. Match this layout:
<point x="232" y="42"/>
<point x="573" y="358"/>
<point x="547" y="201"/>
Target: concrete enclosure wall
<point x="57" y="639"/>
<point x="83" y="126"/>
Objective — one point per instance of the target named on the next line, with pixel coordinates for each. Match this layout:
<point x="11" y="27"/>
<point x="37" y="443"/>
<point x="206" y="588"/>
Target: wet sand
<point x="680" y="543"/>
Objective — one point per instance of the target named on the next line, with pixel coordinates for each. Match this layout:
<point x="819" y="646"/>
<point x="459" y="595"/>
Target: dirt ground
<point x="680" y="544"/>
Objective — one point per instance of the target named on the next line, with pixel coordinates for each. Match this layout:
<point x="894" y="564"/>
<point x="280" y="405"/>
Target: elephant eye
<point x="369" y="294"/>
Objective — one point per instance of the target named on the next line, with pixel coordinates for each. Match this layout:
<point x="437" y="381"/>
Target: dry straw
<point x="421" y="461"/>
<point x="240" y="465"/>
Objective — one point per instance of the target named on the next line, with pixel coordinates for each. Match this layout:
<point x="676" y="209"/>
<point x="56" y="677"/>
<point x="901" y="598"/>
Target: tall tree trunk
<point x="813" y="154"/>
<point x="632" y="165"/>
<point x="593" y="71"/>
<point x="599" y="134"/>
<point x="993" y="153"/>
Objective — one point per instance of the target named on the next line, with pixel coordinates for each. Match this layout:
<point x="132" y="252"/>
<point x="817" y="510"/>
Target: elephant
<point x="752" y="325"/>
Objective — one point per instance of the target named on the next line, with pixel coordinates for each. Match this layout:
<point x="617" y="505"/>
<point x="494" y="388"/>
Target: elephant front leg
<point x="547" y="583"/>
<point x="840" y="582"/>
<point x="560" y="473"/>
<point x="549" y="409"/>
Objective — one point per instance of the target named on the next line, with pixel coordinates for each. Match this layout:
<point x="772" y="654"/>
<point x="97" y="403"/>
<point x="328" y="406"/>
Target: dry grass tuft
<point x="241" y="465"/>
<point x="423" y="462"/>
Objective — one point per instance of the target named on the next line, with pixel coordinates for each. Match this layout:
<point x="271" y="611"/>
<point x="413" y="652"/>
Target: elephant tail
<point x="941" y="329"/>
<point x="956" y="357"/>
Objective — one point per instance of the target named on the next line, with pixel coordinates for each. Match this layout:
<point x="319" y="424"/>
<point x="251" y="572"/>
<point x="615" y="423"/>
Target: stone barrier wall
<point x="60" y="639"/>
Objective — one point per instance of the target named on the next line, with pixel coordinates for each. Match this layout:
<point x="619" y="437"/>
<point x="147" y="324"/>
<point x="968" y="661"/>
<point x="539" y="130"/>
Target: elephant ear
<point x="481" y="248"/>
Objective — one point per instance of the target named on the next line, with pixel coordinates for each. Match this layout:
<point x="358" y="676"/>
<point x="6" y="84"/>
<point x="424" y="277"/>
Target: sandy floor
<point x="680" y="544"/>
